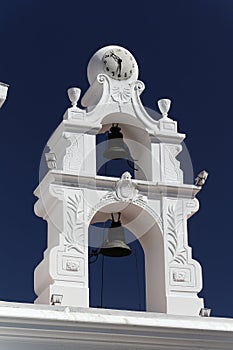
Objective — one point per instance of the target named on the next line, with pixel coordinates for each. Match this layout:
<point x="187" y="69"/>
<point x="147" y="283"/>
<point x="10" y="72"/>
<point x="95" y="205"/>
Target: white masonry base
<point x="73" y="296"/>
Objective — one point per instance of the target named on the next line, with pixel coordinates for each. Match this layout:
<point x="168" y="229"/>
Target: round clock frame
<point x="118" y="64"/>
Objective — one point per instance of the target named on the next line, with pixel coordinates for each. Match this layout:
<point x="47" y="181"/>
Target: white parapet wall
<point x="37" y="327"/>
<point x="3" y="93"/>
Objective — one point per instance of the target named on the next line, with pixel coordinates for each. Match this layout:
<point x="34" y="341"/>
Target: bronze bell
<point x="117" y="149"/>
<point x="115" y="245"/>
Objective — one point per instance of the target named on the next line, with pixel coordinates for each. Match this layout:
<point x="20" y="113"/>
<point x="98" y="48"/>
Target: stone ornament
<point x="164" y="106"/>
<point x="121" y="95"/>
<point x="51" y="160"/>
<point x="125" y="188"/>
<point x="74" y="94"/>
<point x="201" y="178"/>
<point x="74" y="236"/>
<point x="171" y="170"/>
<point x="125" y="191"/>
<point x="72" y="163"/>
<point x="174" y="231"/>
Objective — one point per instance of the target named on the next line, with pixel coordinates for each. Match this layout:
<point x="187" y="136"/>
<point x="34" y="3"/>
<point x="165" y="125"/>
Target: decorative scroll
<point x="192" y="206"/>
<point x="56" y="191"/>
<point x="139" y="86"/>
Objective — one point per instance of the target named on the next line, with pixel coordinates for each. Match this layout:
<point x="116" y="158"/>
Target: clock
<point x="119" y="64"/>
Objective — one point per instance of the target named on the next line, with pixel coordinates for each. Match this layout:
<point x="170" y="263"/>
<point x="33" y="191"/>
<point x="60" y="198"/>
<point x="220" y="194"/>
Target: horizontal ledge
<point x="21" y="313"/>
<point x="108" y="183"/>
<point x="103" y="327"/>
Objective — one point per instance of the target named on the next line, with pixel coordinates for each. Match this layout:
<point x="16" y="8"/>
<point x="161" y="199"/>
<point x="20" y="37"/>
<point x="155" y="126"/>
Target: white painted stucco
<point x="72" y="196"/>
<point x="37" y="327"/>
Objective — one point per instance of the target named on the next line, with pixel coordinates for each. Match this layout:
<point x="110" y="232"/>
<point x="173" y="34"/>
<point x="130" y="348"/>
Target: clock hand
<point x="119" y="65"/>
<point x="118" y="60"/>
<point x="115" y="57"/>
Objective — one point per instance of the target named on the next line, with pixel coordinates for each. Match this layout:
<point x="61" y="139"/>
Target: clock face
<point x="119" y="64"/>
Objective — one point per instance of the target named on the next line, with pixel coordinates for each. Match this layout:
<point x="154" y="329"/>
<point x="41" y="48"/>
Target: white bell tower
<point x="155" y="206"/>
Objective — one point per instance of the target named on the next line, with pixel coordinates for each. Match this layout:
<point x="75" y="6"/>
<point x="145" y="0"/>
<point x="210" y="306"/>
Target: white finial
<point x="164" y="106"/>
<point x="74" y="94"/>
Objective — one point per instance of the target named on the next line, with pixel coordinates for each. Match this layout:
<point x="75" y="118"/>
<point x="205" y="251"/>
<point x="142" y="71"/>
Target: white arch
<point x="146" y="227"/>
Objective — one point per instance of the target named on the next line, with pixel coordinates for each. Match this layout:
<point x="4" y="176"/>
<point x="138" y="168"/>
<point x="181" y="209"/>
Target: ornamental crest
<point x="121" y="94"/>
<point x="125" y="188"/>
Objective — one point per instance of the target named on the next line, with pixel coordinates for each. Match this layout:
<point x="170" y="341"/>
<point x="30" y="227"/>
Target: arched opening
<point x="137" y="141"/>
<point x="116" y="283"/>
<point x="147" y="282"/>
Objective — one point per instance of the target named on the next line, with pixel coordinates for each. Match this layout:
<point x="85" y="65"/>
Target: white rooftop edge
<point x="104" y="328"/>
<point x="110" y="316"/>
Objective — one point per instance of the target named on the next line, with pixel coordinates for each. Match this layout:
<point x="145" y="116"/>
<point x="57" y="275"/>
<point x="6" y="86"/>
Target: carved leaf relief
<point x="74" y="235"/>
<point x="72" y="160"/>
<point x="174" y="223"/>
<point x="172" y="165"/>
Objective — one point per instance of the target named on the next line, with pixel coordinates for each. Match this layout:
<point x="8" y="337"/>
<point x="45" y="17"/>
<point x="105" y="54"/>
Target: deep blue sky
<point x="184" y="51"/>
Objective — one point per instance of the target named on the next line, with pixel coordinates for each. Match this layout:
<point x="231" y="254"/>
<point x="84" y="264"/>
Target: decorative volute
<point x="155" y="205"/>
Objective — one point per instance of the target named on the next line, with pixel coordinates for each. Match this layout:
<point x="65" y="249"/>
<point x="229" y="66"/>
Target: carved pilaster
<point x="184" y="272"/>
<point x="63" y="270"/>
